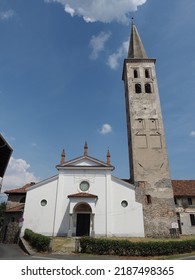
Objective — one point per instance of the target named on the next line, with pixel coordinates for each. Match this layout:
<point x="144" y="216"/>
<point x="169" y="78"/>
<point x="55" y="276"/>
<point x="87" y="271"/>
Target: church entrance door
<point x="83" y="224"/>
<point x="83" y="214"/>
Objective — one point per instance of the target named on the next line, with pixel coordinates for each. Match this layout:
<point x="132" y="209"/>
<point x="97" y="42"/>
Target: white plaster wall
<point x="69" y="182"/>
<point x="39" y="218"/>
<point x="126" y="221"/>
<point x="187" y="228"/>
<point x="100" y="189"/>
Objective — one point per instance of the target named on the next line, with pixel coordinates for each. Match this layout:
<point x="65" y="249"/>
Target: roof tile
<point x="20" y="190"/>
<point x="83" y="194"/>
<point x="183" y="187"/>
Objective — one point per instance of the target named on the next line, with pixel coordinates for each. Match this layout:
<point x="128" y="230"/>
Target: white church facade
<point x="83" y="199"/>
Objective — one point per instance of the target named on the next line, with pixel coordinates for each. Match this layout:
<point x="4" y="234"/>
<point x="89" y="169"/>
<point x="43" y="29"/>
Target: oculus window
<point x="43" y="202"/>
<point x="84" y="186"/>
<point x="124" y="203"/>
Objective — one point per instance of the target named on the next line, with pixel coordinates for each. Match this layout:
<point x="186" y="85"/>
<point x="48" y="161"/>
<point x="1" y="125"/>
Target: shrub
<point x="105" y="246"/>
<point x="38" y="241"/>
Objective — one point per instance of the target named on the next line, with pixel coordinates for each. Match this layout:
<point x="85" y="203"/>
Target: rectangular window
<point x="147" y="73"/>
<point x="148" y="199"/>
<point x="136" y="73"/>
<point x="189" y="201"/>
<point x="141" y="184"/>
<point x="192" y="219"/>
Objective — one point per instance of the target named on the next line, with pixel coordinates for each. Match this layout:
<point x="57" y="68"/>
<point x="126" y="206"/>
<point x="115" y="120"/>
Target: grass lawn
<point x="60" y="244"/>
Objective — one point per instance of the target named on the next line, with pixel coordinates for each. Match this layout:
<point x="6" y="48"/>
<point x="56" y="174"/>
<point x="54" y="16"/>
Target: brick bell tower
<point x="149" y="167"/>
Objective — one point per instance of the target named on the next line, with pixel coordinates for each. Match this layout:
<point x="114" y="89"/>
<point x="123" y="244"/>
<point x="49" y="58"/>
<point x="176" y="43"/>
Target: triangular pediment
<point x="86" y="162"/>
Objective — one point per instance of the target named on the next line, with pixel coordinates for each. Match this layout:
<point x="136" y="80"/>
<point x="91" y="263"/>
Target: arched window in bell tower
<point x="148" y="88"/>
<point x="138" y="88"/>
<point x="135" y="73"/>
<point x="147" y="73"/>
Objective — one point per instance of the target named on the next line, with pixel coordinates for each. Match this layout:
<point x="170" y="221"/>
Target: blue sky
<point x="60" y="81"/>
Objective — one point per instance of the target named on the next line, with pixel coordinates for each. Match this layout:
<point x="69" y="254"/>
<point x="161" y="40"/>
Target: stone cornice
<point x="139" y="60"/>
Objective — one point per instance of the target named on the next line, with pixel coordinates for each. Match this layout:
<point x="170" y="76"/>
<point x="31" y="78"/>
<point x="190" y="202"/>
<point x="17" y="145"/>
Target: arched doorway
<point x="83" y="218"/>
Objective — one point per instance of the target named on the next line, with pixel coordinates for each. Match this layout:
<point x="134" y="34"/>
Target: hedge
<point x="103" y="246"/>
<point x="37" y="241"/>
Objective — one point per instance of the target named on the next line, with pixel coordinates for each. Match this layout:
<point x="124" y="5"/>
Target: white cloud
<point x="6" y="15"/>
<point x="100" y="10"/>
<point x="113" y="59"/>
<point x="192" y="133"/>
<point x="97" y="43"/>
<point x="69" y="10"/>
<point x="105" y="129"/>
<point x="17" y="174"/>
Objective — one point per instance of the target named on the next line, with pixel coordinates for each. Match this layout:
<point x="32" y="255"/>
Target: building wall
<point x="184" y="210"/>
<point x="110" y="218"/>
<point x="69" y="182"/>
<point x="10" y="230"/>
<point x="186" y="227"/>
<point x="108" y="209"/>
<point x="37" y="217"/>
<point x="127" y="221"/>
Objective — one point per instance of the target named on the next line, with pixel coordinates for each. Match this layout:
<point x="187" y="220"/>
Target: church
<point x="84" y="198"/>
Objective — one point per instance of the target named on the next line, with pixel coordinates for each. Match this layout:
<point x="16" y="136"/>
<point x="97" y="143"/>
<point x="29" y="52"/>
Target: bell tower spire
<point x="136" y="48"/>
<point x="149" y="167"/>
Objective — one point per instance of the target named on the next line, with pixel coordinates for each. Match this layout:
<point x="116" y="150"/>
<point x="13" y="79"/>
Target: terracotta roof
<point x="183" y="187"/>
<point x="20" y="190"/>
<point x="83" y="194"/>
<point x="16" y="208"/>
